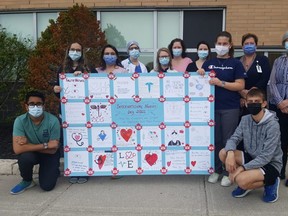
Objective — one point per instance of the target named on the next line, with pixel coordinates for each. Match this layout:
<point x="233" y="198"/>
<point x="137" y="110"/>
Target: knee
<point x="47" y="186"/>
<point x="222" y="155"/>
<point x="241" y="182"/>
<point x="26" y="158"/>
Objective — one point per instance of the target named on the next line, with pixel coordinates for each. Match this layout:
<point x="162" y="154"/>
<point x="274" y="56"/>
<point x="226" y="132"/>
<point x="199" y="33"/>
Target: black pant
<point x="283" y="122"/>
<point x="48" y="168"/>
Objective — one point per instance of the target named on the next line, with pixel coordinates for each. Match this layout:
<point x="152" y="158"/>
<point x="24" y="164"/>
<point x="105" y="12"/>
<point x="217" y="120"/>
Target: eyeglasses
<point x="32" y="105"/>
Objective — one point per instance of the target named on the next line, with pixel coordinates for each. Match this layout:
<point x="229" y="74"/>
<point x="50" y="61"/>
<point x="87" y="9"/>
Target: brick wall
<point x="266" y="18"/>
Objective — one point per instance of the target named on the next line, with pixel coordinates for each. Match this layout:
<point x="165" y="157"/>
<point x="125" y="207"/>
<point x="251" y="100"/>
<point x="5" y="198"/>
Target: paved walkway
<point x="136" y="196"/>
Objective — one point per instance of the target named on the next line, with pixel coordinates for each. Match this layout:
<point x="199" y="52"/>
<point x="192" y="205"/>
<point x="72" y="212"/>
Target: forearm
<point x="21" y="145"/>
<point x="232" y="86"/>
<point x="28" y="147"/>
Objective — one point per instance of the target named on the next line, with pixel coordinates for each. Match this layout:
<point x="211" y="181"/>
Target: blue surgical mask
<point x="110" y="59"/>
<point x="135" y="53"/>
<point x="35" y="111"/>
<point x="177" y="52"/>
<point x="164" y="60"/>
<point x="286" y="45"/>
<point x="202" y="54"/>
<point x="249" y="49"/>
<point x="74" y="55"/>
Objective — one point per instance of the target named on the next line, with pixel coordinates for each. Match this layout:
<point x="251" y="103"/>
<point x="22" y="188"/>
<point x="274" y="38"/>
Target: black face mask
<point x="254" y="108"/>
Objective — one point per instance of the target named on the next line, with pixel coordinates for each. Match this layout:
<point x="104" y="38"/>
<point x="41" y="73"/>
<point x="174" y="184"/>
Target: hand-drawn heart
<point x="168" y="163"/>
<point x="100" y="161"/>
<point x="129" y="155"/>
<point x="193" y="163"/>
<point x="77" y="136"/>
<point x="126" y="134"/>
<point x="151" y="158"/>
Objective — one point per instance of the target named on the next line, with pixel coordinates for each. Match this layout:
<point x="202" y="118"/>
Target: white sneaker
<point x="225" y="182"/>
<point x="213" y="178"/>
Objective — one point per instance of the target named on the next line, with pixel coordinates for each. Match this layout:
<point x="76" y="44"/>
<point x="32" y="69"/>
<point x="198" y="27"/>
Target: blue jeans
<point x="48" y="168"/>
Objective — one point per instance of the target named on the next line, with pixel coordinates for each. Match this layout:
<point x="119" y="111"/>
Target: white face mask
<point x="35" y="111"/>
<point x="221" y="50"/>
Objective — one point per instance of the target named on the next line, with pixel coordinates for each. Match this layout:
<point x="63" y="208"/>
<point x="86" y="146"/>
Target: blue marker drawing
<point x="149" y="84"/>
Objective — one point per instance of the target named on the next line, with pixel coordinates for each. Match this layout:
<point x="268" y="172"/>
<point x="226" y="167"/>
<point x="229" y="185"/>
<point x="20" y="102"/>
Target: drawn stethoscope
<point x="98" y="108"/>
<point x="77" y="137"/>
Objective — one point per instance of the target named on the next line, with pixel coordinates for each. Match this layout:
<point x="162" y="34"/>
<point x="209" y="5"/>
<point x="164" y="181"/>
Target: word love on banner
<point x="137" y="124"/>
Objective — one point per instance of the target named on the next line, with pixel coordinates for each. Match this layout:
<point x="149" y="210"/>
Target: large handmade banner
<point x="132" y="124"/>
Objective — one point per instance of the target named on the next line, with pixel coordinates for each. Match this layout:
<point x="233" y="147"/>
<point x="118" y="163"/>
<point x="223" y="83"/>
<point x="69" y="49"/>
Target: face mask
<point x="286" y="45"/>
<point x="110" y="59"/>
<point x="164" y="60"/>
<point x="254" y="108"/>
<point x="134" y="53"/>
<point x="202" y="54"/>
<point x="35" y="111"/>
<point x="74" y="55"/>
<point x="221" y="50"/>
<point x="249" y="49"/>
<point x="177" y="52"/>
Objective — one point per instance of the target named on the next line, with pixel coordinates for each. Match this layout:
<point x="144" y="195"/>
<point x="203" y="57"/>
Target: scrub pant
<point x="283" y="122"/>
<point x="48" y="168"/>
<point x="226" y="121"/>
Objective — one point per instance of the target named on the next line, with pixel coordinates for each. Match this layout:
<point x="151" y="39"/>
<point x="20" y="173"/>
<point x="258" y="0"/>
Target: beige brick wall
<point x="266" y="18"/>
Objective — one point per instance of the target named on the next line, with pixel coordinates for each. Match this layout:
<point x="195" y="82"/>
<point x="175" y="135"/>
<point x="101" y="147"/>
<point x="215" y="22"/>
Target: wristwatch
<point x="223" y="84"/>
<point x="45" y="145"/>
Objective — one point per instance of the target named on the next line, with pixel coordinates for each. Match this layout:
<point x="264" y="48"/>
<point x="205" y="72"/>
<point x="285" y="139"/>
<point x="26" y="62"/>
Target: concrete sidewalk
<point x="136" y="196"/>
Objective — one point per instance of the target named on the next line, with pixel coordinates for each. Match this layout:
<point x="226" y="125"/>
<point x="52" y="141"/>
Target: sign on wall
<point x="132" y="124"/>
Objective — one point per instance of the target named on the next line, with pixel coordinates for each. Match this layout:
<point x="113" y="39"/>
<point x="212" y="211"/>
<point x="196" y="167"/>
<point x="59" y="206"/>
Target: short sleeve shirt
<point x="48" y="129"/>
<point x="227" y="70"/>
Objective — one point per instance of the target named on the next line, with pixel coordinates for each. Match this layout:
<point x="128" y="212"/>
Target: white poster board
<point x="137" y="124"/>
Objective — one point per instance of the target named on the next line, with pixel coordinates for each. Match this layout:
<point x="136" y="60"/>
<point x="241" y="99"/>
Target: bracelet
<point x="45" y="145"/>
<point x="223" y="83"/>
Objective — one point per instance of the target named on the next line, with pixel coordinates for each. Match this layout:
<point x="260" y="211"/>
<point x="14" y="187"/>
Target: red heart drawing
<point x="126" y="134"/>
<point x="151" y="158"/>
<point x="193" y="163"/>
<point x="169" y="163"/>
<point x="100" y="161"/>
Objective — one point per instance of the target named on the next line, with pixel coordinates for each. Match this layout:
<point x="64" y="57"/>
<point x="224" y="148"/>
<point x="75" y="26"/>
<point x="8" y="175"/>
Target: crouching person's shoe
<point x="239" y="192"/>
<point x="213" y="178"/>
<point x="22" y="186"/>
<point x="271" y="192"/>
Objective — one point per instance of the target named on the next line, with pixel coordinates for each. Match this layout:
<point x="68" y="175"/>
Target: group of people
<point x="250" y="151"/>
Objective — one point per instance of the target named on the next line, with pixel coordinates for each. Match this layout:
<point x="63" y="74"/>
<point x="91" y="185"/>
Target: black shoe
<point x="286" y="183"/>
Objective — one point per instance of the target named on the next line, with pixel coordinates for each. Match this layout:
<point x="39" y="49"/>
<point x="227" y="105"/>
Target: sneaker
<point x="271" y="192"/>
<point x="213" y="178"/>
<point x="239" y="192"/>
<point x="22" y="186"/>
<point x="73" y="180"/>
<point x="82" y="180"/>
<point x="225" y="182"/>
